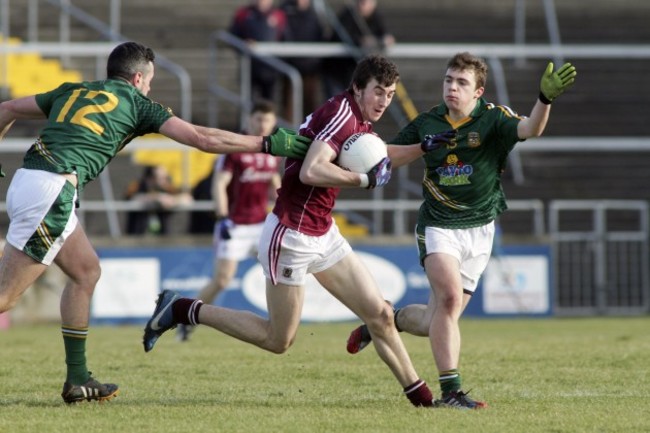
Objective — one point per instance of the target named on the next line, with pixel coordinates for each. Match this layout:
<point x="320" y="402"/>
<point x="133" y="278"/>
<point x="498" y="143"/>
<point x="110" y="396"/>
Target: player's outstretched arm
<point x="21" y="108"/>
<point x="552" y="85"/>
<point x="402" y="155"/>
<point x="283" y="142"/>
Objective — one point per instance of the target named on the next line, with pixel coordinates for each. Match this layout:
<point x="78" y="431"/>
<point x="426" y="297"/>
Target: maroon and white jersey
<point x="248" y="191"/>
<point x="306" y="208"/>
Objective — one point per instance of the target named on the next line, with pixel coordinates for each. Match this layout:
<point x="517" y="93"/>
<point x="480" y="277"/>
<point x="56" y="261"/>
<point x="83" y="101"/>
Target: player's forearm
<point x="221" y="204"/>
<point x="534" y="125"/>
<point x="22" y="108"/>
<point x="7" y="118"/>
<point x="328" y="175"/>
<point x="402" y="155"/>
<point x="220" y="141"/>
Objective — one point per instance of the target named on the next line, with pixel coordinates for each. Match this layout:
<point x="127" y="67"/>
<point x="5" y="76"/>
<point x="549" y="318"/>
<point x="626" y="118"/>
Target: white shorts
<point x="471" y="247"/>
<point x="287" y="255"/>
<point x="242" y="244"/>
<point x="41" y="207"/>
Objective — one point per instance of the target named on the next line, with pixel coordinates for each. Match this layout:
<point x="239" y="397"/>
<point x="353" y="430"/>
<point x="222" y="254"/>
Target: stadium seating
<point x="607" y="101"/>
<point x="29" y="73"/>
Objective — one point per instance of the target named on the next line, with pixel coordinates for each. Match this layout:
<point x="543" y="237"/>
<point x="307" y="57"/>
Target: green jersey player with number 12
<point x="87" y="124"/>
<point x="462" y="197"/>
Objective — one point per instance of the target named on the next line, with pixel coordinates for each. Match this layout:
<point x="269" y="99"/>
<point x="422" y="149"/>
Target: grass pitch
<point x="543" y="375"/>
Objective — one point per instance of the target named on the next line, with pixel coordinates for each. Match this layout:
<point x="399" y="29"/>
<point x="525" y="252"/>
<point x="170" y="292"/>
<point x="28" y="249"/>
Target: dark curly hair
<point x="374" y="66"/>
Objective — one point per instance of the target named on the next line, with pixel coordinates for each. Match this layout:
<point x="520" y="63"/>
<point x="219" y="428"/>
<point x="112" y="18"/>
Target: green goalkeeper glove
<point x="553" y="84"/>
<point x="285" y="142"/>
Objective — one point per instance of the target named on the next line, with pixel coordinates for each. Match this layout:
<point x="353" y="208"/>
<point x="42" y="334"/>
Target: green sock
<point x="449" y="380"/>
<point x="74" y="340"/>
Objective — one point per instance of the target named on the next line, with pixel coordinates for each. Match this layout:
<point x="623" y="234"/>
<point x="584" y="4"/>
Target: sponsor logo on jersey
<point x="454" y="172"/>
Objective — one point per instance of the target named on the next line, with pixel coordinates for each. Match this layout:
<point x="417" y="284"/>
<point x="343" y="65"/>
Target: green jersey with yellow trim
<point x="462" y="182"/>
<point x="88" y="123"/>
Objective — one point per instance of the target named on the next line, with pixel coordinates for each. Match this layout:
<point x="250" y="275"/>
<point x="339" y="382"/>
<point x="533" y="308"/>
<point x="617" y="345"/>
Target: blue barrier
<point x="517" y="282"/>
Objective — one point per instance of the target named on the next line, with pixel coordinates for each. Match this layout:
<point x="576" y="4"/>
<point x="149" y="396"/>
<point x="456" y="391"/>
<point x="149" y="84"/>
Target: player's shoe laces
<point x="183" y="332"/>
<point x="359" y="339"/>
<point x="161" y="320"/>
<point x="91" y="390"/>
<point x="459" y="400"/>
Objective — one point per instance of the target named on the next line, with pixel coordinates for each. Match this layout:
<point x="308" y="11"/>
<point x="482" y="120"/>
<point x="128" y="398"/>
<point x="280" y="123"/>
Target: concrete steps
<point x="608" y="100"/>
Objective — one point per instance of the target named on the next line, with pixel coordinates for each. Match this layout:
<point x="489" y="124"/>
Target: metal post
<point x="600" y="273"/>
<point x="115" y="19"/>
<point x="503" y="98"/>
<point x="32" y="21"/>
<point x="520" y="29"/>
<point x="111" y="214"/>
<point x="4" y="18"/>
<point x="4" y="36"/>
<point x="213" y="101"/>
<point x="246" y="91"/>
<point x="553" y="29"/>
<point x="64" y="29"/>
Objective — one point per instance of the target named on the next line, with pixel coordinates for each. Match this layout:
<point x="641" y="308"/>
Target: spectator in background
<point x="159" y="197"/>
<point x="260" y="21"/>
<point x="363" y="27"/>
<point x="241" y="189"/>
<point x="303" y="25"/>
<point x="202" y="221"/>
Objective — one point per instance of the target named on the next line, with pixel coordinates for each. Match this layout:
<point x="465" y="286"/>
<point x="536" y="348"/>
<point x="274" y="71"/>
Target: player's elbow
<point x="531" y="127"/>
<point x="308" y="175"/>
<point x="7" y="114"/>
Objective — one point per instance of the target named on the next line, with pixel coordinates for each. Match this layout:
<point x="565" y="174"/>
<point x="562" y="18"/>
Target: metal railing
<point x="243" y="100"/>
<point x="64" y="49"/>
<point x="398" y="209"/>
<point x="600" y="268"/>
<point x="552" y="27"/>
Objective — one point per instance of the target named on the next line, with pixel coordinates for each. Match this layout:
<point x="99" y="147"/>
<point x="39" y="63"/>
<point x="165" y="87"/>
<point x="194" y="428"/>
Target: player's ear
<point x="137" y="78"/>
<point x="479" y="92"/>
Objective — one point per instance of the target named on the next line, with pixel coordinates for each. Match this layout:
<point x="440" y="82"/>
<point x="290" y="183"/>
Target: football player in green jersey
<point x="87" y="124"/>
<point x="462" y="197"/>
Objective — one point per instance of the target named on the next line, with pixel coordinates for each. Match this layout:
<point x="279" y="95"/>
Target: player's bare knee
<point x="450" y="302"/>
<point x="382" y="321"/>
<point x="280" y="346"/>
<point x="88" y="276"/>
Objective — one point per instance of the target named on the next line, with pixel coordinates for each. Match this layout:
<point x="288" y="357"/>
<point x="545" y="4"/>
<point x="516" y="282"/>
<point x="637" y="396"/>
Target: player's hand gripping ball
<point x="379" y="175"/>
